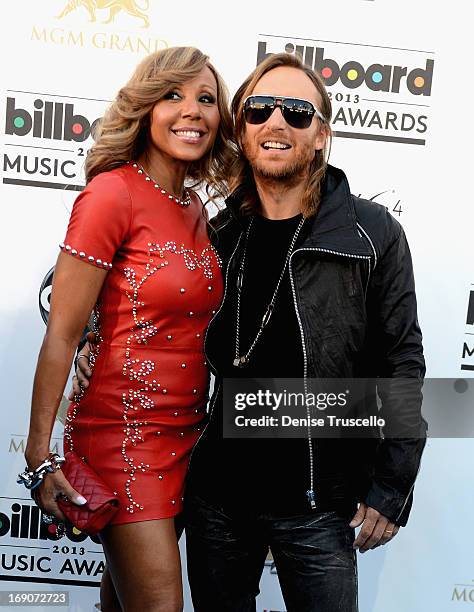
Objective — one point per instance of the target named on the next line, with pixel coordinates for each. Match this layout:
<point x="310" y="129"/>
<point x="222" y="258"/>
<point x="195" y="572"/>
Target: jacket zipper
<point x="310" y="492"/>
<point x="369" y="240"/>
<point x="216" y="390"/>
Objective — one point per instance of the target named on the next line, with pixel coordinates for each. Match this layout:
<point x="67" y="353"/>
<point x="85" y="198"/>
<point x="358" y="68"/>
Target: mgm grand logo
<point x="131" y="7"/>
<point x="89" y="24"/>
<point x="463" y="593"/>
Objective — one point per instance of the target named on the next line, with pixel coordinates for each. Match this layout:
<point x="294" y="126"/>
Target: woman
<point x="138" y="251"/>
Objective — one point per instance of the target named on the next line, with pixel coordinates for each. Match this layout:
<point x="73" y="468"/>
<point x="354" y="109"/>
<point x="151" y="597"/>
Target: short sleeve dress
<point x="139" y="419"/>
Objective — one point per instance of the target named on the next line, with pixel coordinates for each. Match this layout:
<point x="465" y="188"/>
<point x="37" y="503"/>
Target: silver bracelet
<point x="33" y="478"/>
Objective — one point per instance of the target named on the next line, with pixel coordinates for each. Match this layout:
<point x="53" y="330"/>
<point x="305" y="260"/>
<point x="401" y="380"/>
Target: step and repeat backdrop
<point x="398" y="75"/>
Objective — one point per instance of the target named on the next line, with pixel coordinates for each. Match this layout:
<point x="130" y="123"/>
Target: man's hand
<point x="83" y="372"/>
<point x="376" y="530"/>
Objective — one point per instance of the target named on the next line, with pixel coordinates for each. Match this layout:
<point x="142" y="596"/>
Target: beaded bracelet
<point x="33" y="478"/>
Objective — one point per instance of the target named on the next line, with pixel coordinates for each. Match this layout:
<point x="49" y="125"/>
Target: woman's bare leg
<point x="108" y="597"/>
<point x="144" y="565"/>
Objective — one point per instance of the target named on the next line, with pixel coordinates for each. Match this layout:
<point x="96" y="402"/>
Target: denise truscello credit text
<point x="287" y="421"/>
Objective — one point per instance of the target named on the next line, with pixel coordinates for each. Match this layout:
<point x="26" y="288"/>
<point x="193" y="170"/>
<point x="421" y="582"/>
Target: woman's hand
<point x="50" y="490"/>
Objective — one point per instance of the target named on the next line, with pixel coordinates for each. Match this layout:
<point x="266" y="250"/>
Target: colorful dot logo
<point x="49" y="120"/>
<point x="382" y="77"/>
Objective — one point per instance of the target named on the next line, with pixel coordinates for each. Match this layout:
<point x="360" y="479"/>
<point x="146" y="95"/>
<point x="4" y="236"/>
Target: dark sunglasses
<point x="297" y="113"/>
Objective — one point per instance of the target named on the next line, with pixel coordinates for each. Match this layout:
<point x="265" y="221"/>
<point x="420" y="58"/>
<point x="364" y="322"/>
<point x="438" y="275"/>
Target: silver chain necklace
<point x="241" y="360"/>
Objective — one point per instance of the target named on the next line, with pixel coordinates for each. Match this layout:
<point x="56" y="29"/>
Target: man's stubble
<point x="286" y="175"/>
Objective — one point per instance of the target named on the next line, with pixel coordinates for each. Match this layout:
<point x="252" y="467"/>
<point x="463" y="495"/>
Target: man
<point x="345" y="307"/>
<point x="331" y="277"/>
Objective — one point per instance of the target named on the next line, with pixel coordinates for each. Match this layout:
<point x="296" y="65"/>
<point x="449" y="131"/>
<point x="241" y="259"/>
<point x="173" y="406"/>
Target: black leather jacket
<point x="354" y="295"/>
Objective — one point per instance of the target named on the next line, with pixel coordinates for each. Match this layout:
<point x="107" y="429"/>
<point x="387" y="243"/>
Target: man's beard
<point x="289" y="173"/>
<point x="285" y="174"/>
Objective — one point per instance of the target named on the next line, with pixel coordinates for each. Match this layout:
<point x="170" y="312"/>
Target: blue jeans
<point x="313" y="555"/>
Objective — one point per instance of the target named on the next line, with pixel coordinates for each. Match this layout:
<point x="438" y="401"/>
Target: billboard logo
<point x="24" y="522"/>
<point x="352" y="74"/>
<point x="47" y="138"/>
<point x="32" y="552"/>
<point x="49" y="120"/>
<point x="377" y="93"/>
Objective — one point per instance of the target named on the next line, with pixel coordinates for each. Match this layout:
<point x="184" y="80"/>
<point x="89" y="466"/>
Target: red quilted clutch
<point x="101" y="504"/>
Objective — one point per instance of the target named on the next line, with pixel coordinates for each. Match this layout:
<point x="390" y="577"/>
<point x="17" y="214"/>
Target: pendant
<point x="267" y="315"/>
<point x="239" y="362"/>
<point x="240" y="279"/>
<point x="311" y="498"/>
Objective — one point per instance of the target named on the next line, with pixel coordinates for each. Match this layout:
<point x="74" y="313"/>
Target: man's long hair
<point x="241" y="174"/>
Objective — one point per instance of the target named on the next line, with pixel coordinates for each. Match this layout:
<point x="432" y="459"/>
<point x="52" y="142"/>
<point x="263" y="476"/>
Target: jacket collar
<point x="334" y="227"/>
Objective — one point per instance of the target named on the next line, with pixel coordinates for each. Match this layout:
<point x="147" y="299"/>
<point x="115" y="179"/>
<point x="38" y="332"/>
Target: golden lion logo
<point x="115" y="6"/>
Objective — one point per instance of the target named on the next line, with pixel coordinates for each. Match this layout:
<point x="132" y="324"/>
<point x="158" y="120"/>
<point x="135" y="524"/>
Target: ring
<point x="47" y="519"/>
<point x="81" y="355"/>
<point x="60" y="530"/>
<point x="388" y="531"/>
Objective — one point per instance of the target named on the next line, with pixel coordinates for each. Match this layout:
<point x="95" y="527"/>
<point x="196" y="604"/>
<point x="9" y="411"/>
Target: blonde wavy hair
<point x="123" y="132"/>
<point x="241" y="174"/>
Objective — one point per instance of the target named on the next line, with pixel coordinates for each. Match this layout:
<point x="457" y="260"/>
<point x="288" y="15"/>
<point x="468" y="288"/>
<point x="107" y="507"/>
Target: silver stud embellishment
<point x="97" y="261"/>
<point x="185" y="202"/>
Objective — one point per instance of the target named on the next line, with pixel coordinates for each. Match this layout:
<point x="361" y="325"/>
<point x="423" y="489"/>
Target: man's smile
<point x="275" y="145"/>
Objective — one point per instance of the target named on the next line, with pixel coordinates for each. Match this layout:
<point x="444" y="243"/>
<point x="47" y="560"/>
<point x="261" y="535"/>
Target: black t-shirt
<point x="278" y="353"/>
<point x="258" y="475"/>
